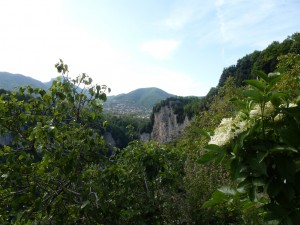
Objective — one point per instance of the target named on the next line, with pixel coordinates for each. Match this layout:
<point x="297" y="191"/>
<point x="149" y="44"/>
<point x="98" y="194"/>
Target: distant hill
<point x="139" y="101"/>
<point x="143" y="96"/>
<point x="9" y="81"/>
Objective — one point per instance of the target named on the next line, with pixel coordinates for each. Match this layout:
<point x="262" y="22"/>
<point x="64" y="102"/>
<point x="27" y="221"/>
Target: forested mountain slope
<point x="138" y="102"/>
<point x="265" y="60"/>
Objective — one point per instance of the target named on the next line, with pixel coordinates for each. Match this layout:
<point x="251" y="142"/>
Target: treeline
<point x="179" y="106"/>
<point x="265" y="60"/>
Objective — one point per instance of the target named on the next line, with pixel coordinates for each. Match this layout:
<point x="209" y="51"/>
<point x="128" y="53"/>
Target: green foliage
<point x="44" y="173"/>
<point x="142" y="186"/>
<point x="265" y="60"/>
<point x="201" y="180"/>
<point x="264" y="157"/>
<point x="119" y="128"/>
<point x="289" y="65"/>
<point x="241" y="71"/>
<point x="57" y="170"/>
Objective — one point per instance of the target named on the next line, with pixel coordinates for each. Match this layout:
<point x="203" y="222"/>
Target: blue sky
<point x="180" y="46"/>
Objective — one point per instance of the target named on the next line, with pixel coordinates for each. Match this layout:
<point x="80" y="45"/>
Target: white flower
<point x="279" y="116"/>
<point x="269" y="109"/>
<point x="290" y="105"/>
<point x="256" y="112"/>
<point x="223" y="133"/>
<point x="226" y="121"/>
<point x="228" y="129"/>
<point x="275" y="74"/>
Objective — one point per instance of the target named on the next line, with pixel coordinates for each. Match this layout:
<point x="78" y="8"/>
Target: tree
<point x="261" y="144"/>
<point x="227" y="72"/>
<point x="295" y="47"/>
<point x="142" y="186"/>
<point x="45" y="172"/>
<point x="241" y="71"/>
<point x="201" y="180"/>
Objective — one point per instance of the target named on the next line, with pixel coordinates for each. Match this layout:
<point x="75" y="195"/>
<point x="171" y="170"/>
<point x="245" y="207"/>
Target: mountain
<point x="143" y="96"/>
<point x="139" y="101"/>
<point x="49" y="83"/>
<point x="9" y="81"/>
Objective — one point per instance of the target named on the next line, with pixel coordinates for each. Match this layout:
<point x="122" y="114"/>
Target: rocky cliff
<point x="166" y="126"/>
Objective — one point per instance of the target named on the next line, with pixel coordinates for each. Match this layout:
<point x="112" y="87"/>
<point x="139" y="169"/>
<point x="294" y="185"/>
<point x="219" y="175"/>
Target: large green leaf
<point x="213" y="153"/>
<point x="217" y="198"/>
<point x="261" y="86"/>
<point x="278" y="212"/>
<point x="254" y="95"/>
<point x="262" y="75"/>
<point x="286" y="168"/>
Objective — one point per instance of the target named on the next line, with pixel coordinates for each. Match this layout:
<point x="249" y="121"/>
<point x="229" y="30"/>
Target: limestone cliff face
<point x="165" y="127"/>
<point x="145" y="137"/>
<point x="109" y="139"/>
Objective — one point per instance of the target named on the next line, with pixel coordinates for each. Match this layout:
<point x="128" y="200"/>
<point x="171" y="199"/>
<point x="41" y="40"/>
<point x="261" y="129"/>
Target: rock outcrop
<point x="166" y="127"/>
<point x="110" y="142"/>
<point x="145" y="137"/>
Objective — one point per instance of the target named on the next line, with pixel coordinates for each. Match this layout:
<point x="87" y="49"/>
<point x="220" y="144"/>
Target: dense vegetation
<point x="260" y="143"/>
<point x="237" y="163"/>
<point x="265" y="60"/>
<point x="125" y="129"/>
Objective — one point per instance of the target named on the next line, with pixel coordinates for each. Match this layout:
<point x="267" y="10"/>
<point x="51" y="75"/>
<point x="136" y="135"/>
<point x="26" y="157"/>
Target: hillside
<point x="9" y="81"/>
<point x="265" y="60"/>
<point x="139" y="101"/>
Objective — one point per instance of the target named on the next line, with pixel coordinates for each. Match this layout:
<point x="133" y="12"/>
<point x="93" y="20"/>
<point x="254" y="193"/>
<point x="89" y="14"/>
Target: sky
<point x="180" y="46"/>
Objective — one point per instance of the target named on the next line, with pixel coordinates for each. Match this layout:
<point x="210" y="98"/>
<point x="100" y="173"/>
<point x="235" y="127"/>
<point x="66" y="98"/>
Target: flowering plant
<point x="262" y="146"/>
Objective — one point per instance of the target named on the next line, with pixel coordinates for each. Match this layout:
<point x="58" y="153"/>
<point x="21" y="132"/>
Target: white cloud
<point x="242" y="22"/>
<point x="160" y="49"/>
